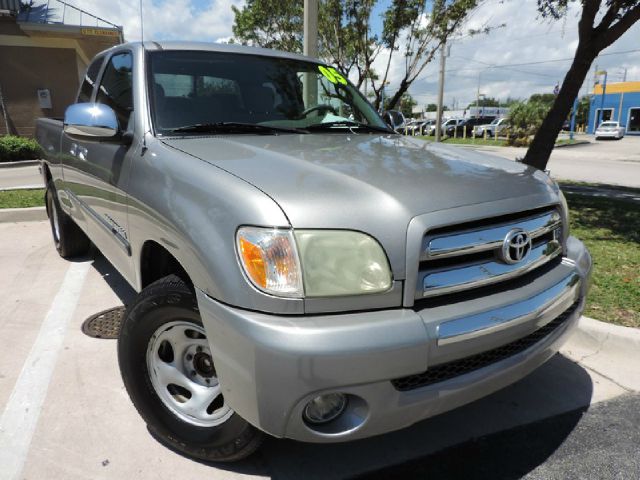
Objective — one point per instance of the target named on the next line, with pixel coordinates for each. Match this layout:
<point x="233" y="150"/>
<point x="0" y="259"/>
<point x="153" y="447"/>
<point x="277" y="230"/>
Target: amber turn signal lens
<point x="270" y="260"/>
<point x="253" y="262"/>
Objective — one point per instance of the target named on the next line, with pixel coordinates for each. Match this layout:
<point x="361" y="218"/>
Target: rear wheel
<point x="69" y="240"/>
<point x="168" y="370"/>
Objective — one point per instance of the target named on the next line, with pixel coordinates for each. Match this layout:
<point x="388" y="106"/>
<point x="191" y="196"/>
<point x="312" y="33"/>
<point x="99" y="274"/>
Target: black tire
<point x="69" y="239"/>
<point x="164" y="301"/>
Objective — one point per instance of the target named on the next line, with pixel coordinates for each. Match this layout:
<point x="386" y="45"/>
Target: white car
<point x="610" y="130"/>
<point x="497" y="125"/>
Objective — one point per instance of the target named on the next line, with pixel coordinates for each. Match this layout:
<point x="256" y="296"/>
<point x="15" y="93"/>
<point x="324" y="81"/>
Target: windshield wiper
<point x="234" y="127"/>
<point x="346" y="123"/>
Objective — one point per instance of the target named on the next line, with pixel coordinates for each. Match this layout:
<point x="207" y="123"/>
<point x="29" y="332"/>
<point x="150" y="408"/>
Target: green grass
<point x="611" y="231"/>
<point x="22" y="198"/>
<point x="470" y="141"/>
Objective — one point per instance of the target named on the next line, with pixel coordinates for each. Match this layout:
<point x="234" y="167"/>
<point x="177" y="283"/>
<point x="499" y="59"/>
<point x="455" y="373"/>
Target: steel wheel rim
<point x="183" y="376"/>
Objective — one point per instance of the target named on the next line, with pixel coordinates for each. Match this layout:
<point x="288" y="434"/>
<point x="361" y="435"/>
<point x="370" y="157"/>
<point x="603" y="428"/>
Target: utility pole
<point x="310" y="48"/>
<point x="443" y="60"/>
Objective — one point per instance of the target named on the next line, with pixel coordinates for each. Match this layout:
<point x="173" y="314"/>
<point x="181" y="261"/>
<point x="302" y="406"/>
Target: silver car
<point x="610" y="129"/>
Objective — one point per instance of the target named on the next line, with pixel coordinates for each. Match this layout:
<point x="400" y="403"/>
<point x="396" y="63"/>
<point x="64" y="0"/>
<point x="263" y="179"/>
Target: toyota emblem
<point x="516" y="246"/>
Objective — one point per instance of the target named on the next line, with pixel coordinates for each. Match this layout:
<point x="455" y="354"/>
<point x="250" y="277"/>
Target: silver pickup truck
<point x="302" y="270"/>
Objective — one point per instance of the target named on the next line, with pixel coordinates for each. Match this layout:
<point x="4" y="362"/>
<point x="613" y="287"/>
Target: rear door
<point x="99" y="177"/>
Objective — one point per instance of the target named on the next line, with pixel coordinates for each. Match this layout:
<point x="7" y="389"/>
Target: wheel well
<point x="47" y="173"/>
<point x="156" y="262"/>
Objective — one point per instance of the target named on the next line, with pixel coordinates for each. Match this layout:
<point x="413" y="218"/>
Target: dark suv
<point x="467" y="126"/>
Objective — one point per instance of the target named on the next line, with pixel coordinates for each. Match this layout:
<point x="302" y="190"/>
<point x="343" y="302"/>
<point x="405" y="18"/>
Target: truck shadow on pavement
<point x="503" y="436"/>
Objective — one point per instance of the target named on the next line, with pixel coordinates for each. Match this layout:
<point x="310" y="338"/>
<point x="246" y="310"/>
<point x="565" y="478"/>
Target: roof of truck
<point x="151" y="45"/>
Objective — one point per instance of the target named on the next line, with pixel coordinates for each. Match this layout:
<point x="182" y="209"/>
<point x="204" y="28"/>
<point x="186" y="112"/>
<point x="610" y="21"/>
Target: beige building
<point x="44" y="52"/>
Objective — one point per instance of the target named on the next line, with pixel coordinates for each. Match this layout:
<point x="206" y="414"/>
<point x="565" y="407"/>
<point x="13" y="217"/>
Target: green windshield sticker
<point x="332" y="75"/>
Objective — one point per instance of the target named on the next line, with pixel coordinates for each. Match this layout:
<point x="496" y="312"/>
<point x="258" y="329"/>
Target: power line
<point x="561" y="59"/>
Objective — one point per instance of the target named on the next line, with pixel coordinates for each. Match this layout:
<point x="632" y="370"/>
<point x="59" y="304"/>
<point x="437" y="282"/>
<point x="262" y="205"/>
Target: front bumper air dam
<point x="271" y="366"/>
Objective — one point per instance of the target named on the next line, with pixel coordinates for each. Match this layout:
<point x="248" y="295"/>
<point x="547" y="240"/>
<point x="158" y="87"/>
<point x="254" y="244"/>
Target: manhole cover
<point x="105" y="324"/>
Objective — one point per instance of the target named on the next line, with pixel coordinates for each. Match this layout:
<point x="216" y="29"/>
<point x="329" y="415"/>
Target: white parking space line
<point x="20" y="416"/>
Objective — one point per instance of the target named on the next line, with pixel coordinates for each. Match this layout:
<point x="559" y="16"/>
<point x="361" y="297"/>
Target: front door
<point x="98" y="181"/>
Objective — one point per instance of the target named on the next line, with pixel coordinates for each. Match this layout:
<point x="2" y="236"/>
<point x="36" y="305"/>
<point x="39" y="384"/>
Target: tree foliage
<point x="412" y="29"/>
<point x="601" y="23"/>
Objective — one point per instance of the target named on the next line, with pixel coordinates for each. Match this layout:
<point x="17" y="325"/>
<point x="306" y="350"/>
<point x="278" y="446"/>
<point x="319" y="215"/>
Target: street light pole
<point x="604" y="90"/>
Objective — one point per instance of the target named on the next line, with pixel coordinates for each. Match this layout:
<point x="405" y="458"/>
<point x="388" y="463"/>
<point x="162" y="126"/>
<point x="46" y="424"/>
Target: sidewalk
<point x="20" y="175"/>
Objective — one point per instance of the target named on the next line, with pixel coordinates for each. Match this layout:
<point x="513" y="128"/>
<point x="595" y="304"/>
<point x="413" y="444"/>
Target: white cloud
<point x="165" y="19"/>
<point x="526" y="38"/>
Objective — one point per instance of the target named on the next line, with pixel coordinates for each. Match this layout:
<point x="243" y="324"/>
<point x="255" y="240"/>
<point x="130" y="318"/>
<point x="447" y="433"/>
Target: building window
<point x="607" y="114"/>
<point x="633" y="125"/>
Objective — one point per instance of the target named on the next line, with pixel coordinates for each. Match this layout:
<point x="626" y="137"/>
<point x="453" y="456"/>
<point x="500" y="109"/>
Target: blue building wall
<point x="630" y="113"/>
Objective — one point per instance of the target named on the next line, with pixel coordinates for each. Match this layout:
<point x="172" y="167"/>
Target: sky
<point x="492" y="62"/>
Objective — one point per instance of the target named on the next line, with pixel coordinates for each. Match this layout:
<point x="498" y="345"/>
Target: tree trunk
<point x="395" y="100"/>
<point x="545" y="138"/>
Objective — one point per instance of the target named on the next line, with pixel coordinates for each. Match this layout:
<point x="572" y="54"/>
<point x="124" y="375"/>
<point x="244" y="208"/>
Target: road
<point x="608" y="162"/>
<point x="64" y="412"/>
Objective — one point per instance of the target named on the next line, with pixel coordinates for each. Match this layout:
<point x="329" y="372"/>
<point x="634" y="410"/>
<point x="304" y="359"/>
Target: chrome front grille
<point x="454" y="259"/>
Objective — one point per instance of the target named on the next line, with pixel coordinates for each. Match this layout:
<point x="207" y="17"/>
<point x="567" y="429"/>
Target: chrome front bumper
<point x="271" y="366"/>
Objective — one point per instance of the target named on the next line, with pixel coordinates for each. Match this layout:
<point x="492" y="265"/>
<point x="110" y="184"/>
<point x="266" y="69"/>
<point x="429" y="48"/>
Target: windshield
<point x="608" y="124"/>
<point x="213" y="88"/>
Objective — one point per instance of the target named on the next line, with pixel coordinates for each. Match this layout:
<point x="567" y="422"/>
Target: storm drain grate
<point x="105" y="324"/>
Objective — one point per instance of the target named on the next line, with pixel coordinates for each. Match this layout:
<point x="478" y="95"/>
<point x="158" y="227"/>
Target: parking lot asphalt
<point x="64" y="412"/>
<point x="610" y="162"/>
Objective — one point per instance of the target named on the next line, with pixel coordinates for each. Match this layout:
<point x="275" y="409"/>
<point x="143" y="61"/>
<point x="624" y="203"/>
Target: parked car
<point x="466" y="126"/>
<point x="414" y="127"/>
<point x="452" y="122"/>
<point x="610" y="129"/>
<point x="497" y="125"/>
<point x="303" y="271"/>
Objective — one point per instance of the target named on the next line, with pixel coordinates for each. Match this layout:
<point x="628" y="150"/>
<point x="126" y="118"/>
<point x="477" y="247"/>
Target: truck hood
<point x="370" y="183"/>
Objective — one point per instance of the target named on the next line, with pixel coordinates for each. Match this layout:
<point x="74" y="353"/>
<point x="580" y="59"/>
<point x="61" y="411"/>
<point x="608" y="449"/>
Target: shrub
<point x="525" y="119"/>
<point x="13" y="149"/>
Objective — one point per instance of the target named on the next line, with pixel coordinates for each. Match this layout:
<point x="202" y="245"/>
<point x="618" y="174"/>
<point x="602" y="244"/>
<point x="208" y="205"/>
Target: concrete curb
<point x="22" y="187"/>
<point x="23" y="163"/>
<point x="576" y="144"/>
<point x="610" y="350"/>
<point x="14" y="215"/>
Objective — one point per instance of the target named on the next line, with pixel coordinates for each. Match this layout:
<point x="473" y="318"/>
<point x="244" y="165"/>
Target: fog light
<point x="325" y="408"/>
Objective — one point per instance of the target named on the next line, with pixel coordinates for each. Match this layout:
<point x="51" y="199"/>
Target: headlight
<point x="316" y="263"/>
<point x="340" y="262"/>
<point x="270" y="260"/>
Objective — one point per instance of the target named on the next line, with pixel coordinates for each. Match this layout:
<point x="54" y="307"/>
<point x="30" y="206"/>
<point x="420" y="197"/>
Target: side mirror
<point x="388" y="119"/>
<point x="92" y="121"/>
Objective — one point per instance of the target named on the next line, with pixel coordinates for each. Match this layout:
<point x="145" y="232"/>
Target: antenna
<point x="141" y="24"/>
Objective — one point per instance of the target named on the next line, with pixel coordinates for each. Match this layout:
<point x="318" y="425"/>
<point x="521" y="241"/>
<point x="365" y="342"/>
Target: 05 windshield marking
<point x="194" y="93"/>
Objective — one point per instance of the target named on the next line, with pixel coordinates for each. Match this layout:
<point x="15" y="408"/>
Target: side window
<point x="89" y="80"/>
<point x="116" y="86"/>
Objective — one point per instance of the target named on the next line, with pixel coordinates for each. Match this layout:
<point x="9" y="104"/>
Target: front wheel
<point x="168" y="370"/>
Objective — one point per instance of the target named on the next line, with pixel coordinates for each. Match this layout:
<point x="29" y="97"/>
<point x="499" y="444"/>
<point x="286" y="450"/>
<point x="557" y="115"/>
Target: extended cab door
<point x="97" y="173"/>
